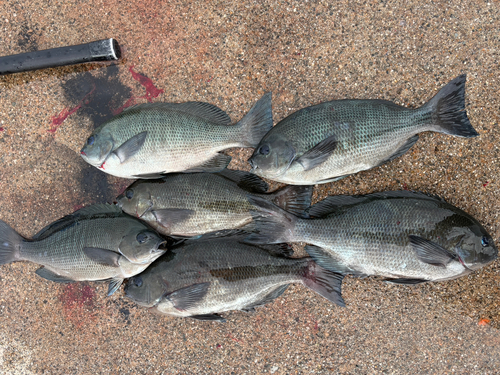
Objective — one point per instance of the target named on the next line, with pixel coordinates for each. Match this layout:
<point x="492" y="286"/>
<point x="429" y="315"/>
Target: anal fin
<point x="405" y="281"/>
<point x="400" y="151"/>
<point x="216" y="164"/>
<point x="267" y="298"/>
<point x="52" y="276"/>
<point x="209" y="317"/>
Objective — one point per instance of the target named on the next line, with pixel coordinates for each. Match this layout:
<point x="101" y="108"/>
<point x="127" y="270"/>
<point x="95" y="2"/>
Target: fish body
<point x="187" y="204"/>
<point x="204" y="277"/>
<point x="95" y="243"/>
<point x="335" y="139"/>
<point x="153" y="139"/>
<point x="403" y="236"/>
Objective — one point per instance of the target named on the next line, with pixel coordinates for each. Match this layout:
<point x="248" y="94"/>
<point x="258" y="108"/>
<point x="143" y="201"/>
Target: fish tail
<point x="271" y="223"/>
<point x="256" y="123"/>
<point x="326" y="283"/>
<point x="293" y="198"/>
<point x="10" y="243"/>
<point x="448" y="110"/>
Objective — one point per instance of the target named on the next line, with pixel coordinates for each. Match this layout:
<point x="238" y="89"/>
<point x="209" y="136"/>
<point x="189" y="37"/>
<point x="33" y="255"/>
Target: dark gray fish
<point x="151" y="140"/>
<point x="204" y="277"/>
<point x="335" y="139"/>
<point x="193" y="204"/>
<point x="404" y="236"/>
<point x="97" y="242"/>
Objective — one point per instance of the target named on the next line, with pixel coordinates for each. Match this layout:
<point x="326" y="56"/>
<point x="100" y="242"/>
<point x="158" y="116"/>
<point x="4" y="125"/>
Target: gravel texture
<point x="230" y="54"/>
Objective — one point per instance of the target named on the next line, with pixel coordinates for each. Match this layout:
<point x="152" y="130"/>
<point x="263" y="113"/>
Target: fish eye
<point x="484" y="241"/>
<point x="141" y="238"/>
<point x="91" y="140"/>
<point x="137" y="280"/>
<point x="264" y="150"/>
<point x="129" y="194"/>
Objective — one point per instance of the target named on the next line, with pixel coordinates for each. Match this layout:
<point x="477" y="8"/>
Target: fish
<point x="193" y="204"/>
<point x="153" y="139"/>
<point x="95" y="243"/>
<point x="405" y="237"/>
<point x="335" y="139"/>
<point x="204" y="277"/>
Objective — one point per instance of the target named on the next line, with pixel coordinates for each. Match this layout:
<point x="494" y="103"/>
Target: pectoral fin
<point x="430" y="252"/>
<point x="167" y="216"/>
<point x="188" y="297"/>
<point x="131" y="147"/>
<point x="318" y="154"/>
<point x="102" y="256"/>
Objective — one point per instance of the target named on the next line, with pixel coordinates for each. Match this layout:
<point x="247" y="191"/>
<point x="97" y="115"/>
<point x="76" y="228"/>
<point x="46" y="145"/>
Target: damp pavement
<point x="230" y="54"/>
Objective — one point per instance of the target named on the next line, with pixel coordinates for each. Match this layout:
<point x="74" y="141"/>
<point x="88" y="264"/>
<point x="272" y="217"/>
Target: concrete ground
<point x="229" y="54"/>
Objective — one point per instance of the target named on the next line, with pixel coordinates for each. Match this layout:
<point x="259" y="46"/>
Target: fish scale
<point x="397" y="235"/>
<point x="153" y="139"/>
<point x="197" y="203"/>
<point x="96" y="242"/>
<point x="359" y="135"/>
<point x="203" y="277"/>
<point x="63" y="251"/>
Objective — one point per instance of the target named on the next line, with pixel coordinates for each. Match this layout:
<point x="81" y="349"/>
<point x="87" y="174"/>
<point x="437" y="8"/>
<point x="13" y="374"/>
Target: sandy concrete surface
<point x="229" y="54"/>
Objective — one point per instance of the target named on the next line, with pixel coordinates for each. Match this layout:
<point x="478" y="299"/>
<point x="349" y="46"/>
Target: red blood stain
<point x="127" y="104"/>
<point x="405" y="187"/>
<point x="78" y="303"/>
<point x="218" y="346"/>
<point x="234" y="339"/>
<point x="63" y="115"/>
<point x="151" y="91"/>
<point x="486" y="183"/>
<point x="1" y="129"/>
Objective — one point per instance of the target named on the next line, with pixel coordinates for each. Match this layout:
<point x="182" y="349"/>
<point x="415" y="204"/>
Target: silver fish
<point x="97" y="242"/>
<point x="204" y="277"/>
<point x="403" y="236"/>
<point x="332" y="140"/>
<point x="194" y="204"/>
<point x="151" y="140"/>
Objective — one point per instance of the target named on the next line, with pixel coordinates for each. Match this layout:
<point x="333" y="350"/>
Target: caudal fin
<point x="448" y="110"/>
<point x="293" y="198"/>
<point x="271" y="223"/>
<point x="257" y="122"/>
<point x="324" y="282"/>
<point x="10" y="243"/>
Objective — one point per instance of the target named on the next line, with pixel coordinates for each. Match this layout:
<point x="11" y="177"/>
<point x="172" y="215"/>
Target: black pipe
<point x="100" y="50"/>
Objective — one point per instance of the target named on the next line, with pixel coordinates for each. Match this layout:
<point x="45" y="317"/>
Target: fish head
<point x="475" y="246"/>
<point x="97" y="148"/>
<point x="136" y="200"/>
<point x="142" y="247"/>
<point x="149" y="287"/>
<point x="145" y="289"/>
<point x="273" y="156"/>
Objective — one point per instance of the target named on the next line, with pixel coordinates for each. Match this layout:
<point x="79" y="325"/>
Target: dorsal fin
<point x="206" y="111"/>
<point x="334" y="203"/>
<point x="69" y="220"/>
